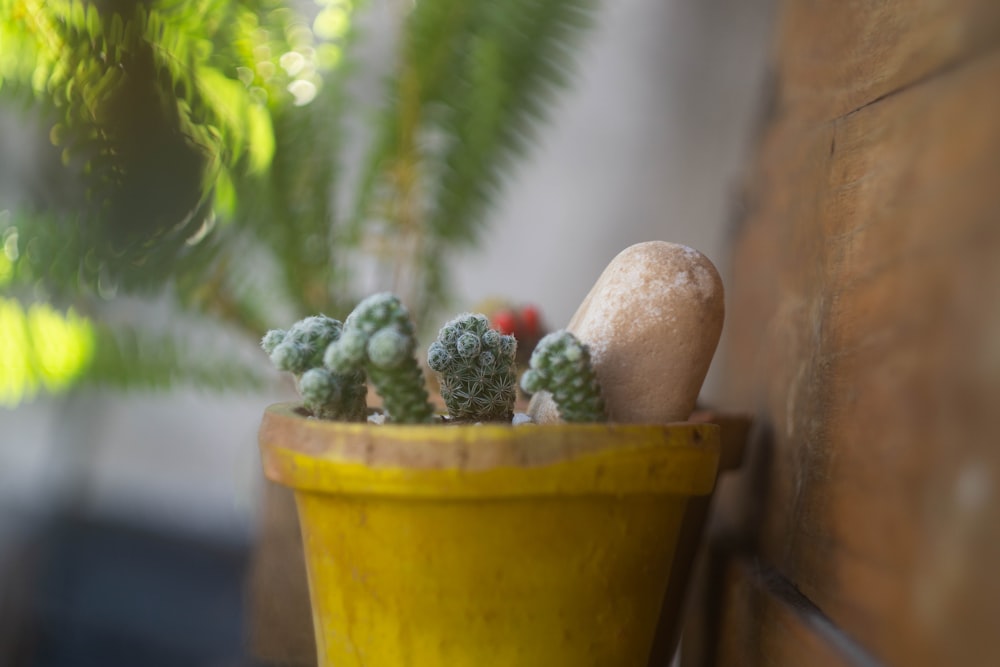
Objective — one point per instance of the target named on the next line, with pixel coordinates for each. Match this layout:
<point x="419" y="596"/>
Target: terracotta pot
<point x="491" y="544"/>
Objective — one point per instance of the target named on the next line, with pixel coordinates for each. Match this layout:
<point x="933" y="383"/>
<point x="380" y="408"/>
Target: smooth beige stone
<point x="652" y="321"/>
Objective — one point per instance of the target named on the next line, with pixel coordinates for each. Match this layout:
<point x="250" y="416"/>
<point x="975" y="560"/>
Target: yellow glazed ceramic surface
<point x="433" y="546"/>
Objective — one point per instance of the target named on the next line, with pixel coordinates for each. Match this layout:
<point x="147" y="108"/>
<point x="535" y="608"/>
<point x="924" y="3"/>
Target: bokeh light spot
<point x="331" y="23"/>
<point x="41" y="348"/>
<point x="303" y="91"/>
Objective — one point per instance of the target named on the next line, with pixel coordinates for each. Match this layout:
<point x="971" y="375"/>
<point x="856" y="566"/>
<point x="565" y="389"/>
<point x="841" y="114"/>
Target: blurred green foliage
<point x="202" y="149"/>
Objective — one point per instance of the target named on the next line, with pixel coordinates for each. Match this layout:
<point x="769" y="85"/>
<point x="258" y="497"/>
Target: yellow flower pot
<point x="434" y="546"/>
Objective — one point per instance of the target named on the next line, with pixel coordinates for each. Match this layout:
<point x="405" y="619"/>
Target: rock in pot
<point x="652" y="322"/>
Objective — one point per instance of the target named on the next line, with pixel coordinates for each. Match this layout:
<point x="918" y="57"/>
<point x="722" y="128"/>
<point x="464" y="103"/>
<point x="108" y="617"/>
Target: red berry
<point x="504" y="321"/>
<point x="529" y="317"/>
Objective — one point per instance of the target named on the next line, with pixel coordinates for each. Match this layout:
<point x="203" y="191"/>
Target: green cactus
<point x="561" y="365"/>
<point x="378" y="338"/>
<point x="476" y="368"/>
<point x="475" y="365"/>
<point x="300" y="351"/>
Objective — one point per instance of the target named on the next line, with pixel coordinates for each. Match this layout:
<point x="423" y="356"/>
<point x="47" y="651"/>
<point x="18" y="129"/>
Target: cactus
<point x="561" y="366"/>
<point x="475" y="364"/>
<point x="378" y="338"/>
<point x="300" y="351"/>
<point x="476" y="368"/>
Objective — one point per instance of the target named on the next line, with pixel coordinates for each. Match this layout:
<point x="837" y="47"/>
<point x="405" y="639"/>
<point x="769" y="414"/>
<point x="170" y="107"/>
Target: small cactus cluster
<point x="476" y="368"/>
<point x="300" y="351"/>
<point x="378" y="339"/>
<point x="475" y="364"/>
<point x="561" y="366"/>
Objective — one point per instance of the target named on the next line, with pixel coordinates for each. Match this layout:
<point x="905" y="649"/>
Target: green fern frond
<point x="292" y="208"/>
<point x="474" y="81"/>
<point x="50" y="350"/>
<point x="515" y="64"/>
<point x="130" y="358"/>
<point x="208" y="133"/>
<point x="161" y="104"/>
<point x="55" y="253"/>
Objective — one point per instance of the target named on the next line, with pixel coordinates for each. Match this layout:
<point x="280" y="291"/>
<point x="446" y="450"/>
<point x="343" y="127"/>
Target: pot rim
<point x="487" y="460"/>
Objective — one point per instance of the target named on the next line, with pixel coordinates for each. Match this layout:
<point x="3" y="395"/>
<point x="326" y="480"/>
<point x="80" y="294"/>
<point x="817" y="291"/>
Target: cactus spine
<point x="476" y="368"/>
<point x="378" y="338"/>
<point x="561" y="365"/>
<point x="299" y="350"/>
